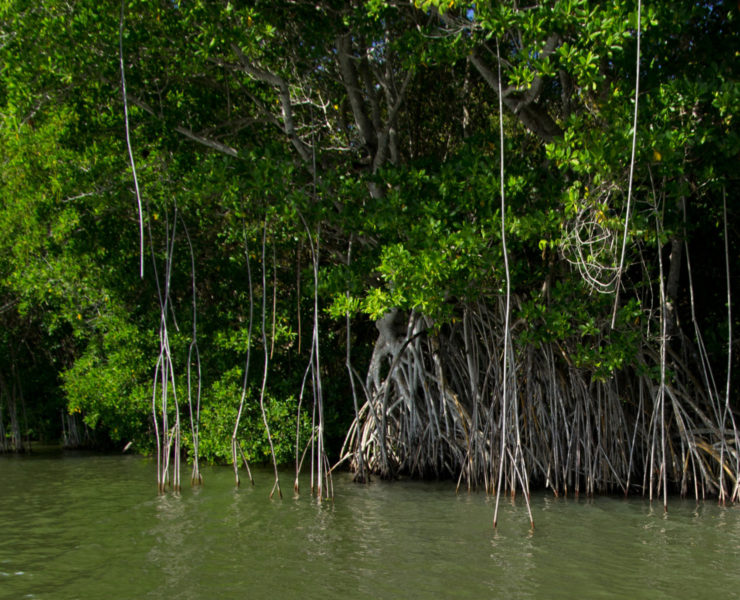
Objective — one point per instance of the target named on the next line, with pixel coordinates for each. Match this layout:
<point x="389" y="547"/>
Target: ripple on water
<point x="94" y="527"/>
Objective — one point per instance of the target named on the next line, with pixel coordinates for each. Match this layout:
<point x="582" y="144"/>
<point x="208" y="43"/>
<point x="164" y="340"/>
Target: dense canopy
<point x="495" y="241"/>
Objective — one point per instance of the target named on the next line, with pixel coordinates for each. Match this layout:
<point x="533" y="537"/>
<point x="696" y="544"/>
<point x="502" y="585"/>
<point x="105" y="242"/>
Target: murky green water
<point x="89" y="527"/>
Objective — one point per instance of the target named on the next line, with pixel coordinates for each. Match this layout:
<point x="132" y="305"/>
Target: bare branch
<point x="383" y="145"/>
<point x="207" y="142"/>
<point x="351" y="84"/>
<point x="188" y="133"/>
<point x="285" y="103"/>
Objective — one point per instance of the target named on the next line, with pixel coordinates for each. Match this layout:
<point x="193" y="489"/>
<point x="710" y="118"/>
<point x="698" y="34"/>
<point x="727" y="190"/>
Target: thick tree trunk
<point x="4" y="447"/>
<point x="16" y="439"/>
<point x="671" y="289"/>
<point x="10" y="393"/>
<point x="73" y="431"/>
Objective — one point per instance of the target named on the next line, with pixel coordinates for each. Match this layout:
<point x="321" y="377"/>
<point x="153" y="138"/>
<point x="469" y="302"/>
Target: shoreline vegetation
<point x="489" y="242"/>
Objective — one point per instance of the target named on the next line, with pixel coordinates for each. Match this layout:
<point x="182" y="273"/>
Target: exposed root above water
<point x="433" y="408"/>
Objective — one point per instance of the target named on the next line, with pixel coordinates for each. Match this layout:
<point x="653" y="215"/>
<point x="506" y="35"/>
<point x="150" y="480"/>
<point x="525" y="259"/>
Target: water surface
<point x="83" y="526"/>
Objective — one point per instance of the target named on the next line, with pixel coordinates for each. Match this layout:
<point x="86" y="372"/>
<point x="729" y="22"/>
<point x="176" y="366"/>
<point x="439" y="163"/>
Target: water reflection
<point x="171" y="550"/>
<point x="94" y="527"/>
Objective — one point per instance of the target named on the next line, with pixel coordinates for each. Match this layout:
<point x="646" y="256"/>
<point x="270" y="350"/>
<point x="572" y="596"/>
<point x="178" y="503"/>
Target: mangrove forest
<point x="495" y="242"/>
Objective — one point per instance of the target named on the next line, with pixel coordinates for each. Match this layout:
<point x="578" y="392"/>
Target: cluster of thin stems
<point x="435" y="406"/>
<point x="320" y="476"/>
<point x="321" y="482"/>
<point x="164" y="389"/>
<point x="165" y="405"/>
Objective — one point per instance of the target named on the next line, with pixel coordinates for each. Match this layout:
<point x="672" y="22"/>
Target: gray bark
<point x="674" y="274"/>
<point x="526" y="110"/>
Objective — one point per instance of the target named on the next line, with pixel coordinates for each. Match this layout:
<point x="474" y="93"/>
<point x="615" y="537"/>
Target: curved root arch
<point x="591" y="243"/>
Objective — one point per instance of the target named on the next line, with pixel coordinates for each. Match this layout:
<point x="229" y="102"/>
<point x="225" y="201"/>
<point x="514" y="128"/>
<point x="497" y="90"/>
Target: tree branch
<point x="302" y="148"/>
<point x="188" y="133"/>
<point x="534" y="91"/>
<point x="223" y="148"/>
<point x="383" y="139"/>
<point x="535" y="119"/>
<point x="352" y="85"/>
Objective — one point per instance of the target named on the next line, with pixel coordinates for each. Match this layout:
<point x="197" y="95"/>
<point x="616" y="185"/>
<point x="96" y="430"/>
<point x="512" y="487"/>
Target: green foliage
<point x="209" y="88"/>
<point x="218" y="415"/>
<point x="110" y="388"/>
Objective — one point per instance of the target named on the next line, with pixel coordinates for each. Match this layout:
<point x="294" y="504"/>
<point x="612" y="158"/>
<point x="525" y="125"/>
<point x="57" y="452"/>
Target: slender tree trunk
<point x="508" y="353"/>
<point x="276" y="486"/>
<point x="663" y="344"/>
<point x="236" y="450"/>
<point x="360" y="475"/>
<point x="620" y="270"/>
<point x="727" y="412"/>
<point x="196" y="477"/>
